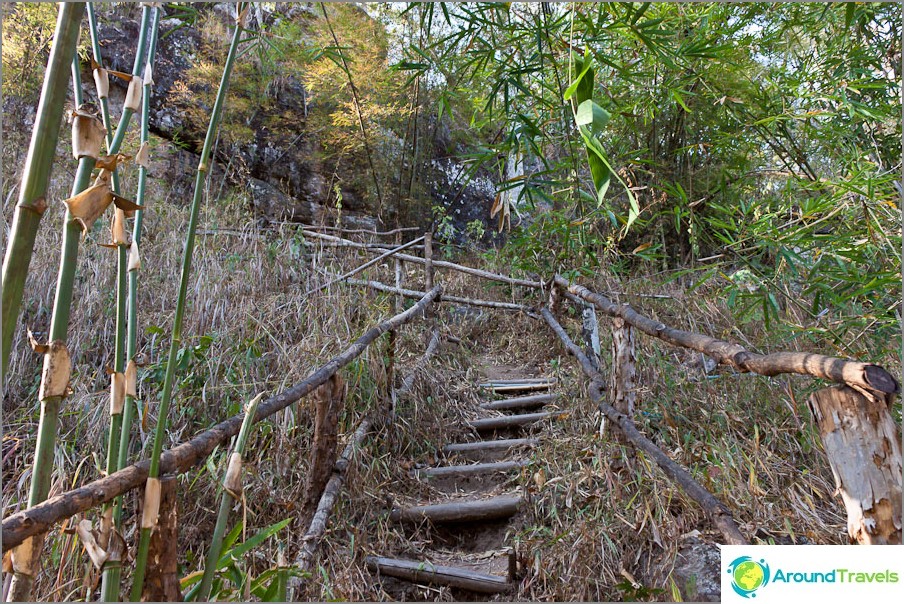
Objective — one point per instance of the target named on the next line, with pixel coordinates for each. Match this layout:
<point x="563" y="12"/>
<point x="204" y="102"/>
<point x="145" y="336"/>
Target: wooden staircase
<point x="470" y="517"/>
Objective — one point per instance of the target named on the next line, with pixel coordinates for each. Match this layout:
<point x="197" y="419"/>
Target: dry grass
<point x="599" y="513"/>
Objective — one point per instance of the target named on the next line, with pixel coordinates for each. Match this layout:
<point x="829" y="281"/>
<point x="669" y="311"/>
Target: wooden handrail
<point x="862" y="376"/>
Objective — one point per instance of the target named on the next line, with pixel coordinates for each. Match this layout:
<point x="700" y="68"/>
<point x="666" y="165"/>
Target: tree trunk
<point x="622" y="385"/>
<point x="863" y="444"/>
<point x="161" y="583"/>
<point x="328" y="401"/>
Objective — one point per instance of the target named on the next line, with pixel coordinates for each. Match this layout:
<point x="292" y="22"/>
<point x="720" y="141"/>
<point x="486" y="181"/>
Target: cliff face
<point x="278" y="162"/>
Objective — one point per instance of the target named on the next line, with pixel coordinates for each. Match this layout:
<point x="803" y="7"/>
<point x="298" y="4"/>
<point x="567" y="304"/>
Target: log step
<point x="491" y="445"/>
<point x="492" y="383"/>
<point x="460" y="511"/>
<point x="525" y="387"/>
<point x="520" y="402"/>
<point x="472" y="469"/>
<point x="508" y="421"/>
<point x="427" y="572"/>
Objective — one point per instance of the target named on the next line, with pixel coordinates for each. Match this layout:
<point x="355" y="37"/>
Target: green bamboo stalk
<point x="160" y="431"/>
<point x="63" y="54"/>
<point x="226" y="503"/>
<point x="112" y="569"/>
<point x="95" y="50"/>
<point x="132" y="323"/>
<point x="36" y="176"/>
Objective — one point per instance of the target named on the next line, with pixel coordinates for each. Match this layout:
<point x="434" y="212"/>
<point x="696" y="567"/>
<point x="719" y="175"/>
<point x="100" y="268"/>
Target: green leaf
<point x="590" y="113"/>
<point x="243" y="548"/>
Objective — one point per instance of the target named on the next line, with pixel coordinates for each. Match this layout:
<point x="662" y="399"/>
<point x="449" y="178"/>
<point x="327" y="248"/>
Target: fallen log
<point x="427" y="572"/>
<point x="717" y="512"/>
<point x="460" y="511"/>
<point x="410" y="293"/>
<point x="520" y="402"/>
<point x="471" y="469"/>
<point x="863" y="376"/>
<point x="441" y="264"/>
<point x="491" y="445"/>
<point x="507" y="421"/>
<point x="519" y="381"/>
<point x="39" y="518"/>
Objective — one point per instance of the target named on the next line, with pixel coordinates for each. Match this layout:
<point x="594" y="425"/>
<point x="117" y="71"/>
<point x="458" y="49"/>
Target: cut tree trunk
<point x="460" y="511"/>
<point x="427" y="572"/>
<point x="863" y="444"/>
<point x="161" y="584"/>
<point x="328" y="401"/>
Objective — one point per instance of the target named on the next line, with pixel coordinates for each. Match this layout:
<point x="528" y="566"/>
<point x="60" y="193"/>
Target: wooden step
<point x="508" y="421"/>
<point x="520" y="402"/>
<point x="469" y="510"/>
<point x="427" y="572"/>
<point x="472" y="469"/>
<point x="492" y="383"/>
<point x="491" y="445"/>
<point x="527" y="387"/>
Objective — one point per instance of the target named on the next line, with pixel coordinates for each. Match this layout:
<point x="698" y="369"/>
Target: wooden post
<point x="863" y="444"/>
<point x="328" y="400"/>
<point x="428" y="268"/>
<point x="591" y="333"/>
<point x="622" y="384"/>
<point x="161" y="583"/>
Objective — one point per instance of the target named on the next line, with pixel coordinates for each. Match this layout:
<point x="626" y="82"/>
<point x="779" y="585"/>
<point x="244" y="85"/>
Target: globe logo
<point x="748" y="575"/>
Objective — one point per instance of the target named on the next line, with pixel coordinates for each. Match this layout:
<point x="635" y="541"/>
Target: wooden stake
<point x="622" y="386"/>
<point x="863" y="444"/>
<point x="591" y="332"/>
<point x="427" y="572"/>
<point x="460" y="511"/>
<point x="428" y="265"/>
<point x="161" y="583"/>
<point x="328" y="402"/>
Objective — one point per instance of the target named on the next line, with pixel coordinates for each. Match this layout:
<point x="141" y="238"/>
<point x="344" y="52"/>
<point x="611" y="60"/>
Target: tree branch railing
<point x="38" y="519"/>
<point x="860" y="436"/>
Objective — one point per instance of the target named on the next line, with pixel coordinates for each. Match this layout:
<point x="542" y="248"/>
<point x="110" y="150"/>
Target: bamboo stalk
<point x="229" y="495"/>
<point x="112" y="569"/>
<point x="436" y="263"/>
<point x="36" y="176"/>
<point x="176" y="340"/>
<point x="863" y="376"/>
<point x="715" y="510"/>
<point x="40" y="518"/>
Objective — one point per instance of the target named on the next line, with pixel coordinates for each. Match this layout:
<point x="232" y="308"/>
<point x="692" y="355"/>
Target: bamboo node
<point x="134" y="258"/>
<point x="151" y="509"/>
<point x="133" y="96"/>
<point x="102" y="82"/>
<point x="232" y="483"/>
<point x="86" y="534"/>
<point x="37" y="205"/>
<point x="87" y="134"/>
<point x="143" y="157"/>
<point x="57" y="370"/>
<point x="131" y="375"/>
<point x="117" y="393"/>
